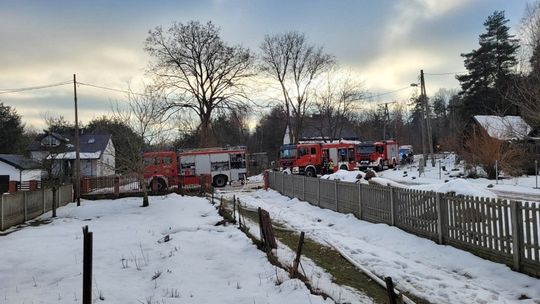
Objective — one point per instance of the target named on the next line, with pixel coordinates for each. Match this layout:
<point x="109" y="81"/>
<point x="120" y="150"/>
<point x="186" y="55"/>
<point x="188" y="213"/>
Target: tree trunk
<point x="145" y="202"/>
<point x="204" y="130"/>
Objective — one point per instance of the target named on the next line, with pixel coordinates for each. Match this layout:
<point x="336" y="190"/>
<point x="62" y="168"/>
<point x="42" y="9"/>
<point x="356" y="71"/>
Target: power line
<point x="106" y="88"/>
<point x="16" y="90"/>
<point x="386" y="93"/>
<point x="445" y="73"/>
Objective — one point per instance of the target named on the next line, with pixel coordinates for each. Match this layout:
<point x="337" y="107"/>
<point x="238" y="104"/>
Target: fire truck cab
<point x="377" y="155"/>
<point x="301" y="158"/>
<point x="311" y="159"/>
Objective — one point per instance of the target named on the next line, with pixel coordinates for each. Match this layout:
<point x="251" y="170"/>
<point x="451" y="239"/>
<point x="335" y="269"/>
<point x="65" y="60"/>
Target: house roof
<point x="504" y="127"/>
<point x="19" y="161"/>
<point x="91" y="145"/>
<point x="312" y="130"/>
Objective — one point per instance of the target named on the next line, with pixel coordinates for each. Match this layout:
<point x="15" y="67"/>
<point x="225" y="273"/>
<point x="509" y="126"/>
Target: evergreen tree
<point x="123" y="137"/>
<point x="490" y="69"/>
<point x="11" y="130"/>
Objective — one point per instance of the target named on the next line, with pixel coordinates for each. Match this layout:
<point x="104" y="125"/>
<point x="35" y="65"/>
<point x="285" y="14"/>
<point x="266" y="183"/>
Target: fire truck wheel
<point x="310" y="172"/>
<point x="220" y="181"/>
<point x="161" y="185"/>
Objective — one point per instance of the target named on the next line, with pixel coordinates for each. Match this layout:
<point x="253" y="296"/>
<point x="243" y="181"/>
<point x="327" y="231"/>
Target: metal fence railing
<point x="499" y="230"/>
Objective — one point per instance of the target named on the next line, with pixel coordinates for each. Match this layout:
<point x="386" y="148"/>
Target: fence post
<point x="304" y="188"/>
<point x="117" y="186"/>
<point x="359" y="200"/>
<point x="2" y="212"/>
<point x="318" y="192"/>
<point x="87" y="265"/>
<point x="59" y="196"/>
<point x="440" y="217"/>
<point x="25" y="206"/>
<point x="336" y="194"/>
<point x="390" y="290"/>
<point x="516" y="234"/>
<point x="43" y="197"/>
<point x="282" y="183"/>
<point x="296" y="263"/>
<point x="392" y="207"/>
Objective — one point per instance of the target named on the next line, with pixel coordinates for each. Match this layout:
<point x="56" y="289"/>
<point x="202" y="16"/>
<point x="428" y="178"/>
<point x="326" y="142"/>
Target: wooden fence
<point x="499" y="230"/>
<point x="107" y="184"/>
<point x="19" y="207"/>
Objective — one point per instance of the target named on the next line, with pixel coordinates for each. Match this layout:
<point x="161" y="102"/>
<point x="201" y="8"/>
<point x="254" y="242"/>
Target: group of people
<point x="328" y="166"/>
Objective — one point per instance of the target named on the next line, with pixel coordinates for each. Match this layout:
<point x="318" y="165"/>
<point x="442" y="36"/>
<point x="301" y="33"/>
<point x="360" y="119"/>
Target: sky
<point x="382" y="43"/>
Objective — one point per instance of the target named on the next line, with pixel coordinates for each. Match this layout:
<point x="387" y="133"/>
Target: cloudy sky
<point x="385" y="43"/>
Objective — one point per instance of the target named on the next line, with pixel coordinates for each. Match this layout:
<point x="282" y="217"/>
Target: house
<point x="505" y="128"/>
<point x="19" y="168"/>
<point x="318" y="127"/>
<point x="512" y="130"/>
<point x="97" y="153"/>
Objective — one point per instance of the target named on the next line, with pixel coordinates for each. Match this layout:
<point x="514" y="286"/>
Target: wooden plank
<point x="516" y="235"/>
<point x="527" y="240"/>
<point x="508" y="222"/>
<point x="493" y="215"/>
<point x="500" y="223"/>
<point x="475" y="225"/>
<point x="535" y="210"/>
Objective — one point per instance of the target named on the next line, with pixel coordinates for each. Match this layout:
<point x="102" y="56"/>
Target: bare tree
<point x="526" y="93"/>
<point x="294" y="63"/>
<point x="335" y="104"/>
<point x="145" y="117"/>
<point x="199" y="69"/>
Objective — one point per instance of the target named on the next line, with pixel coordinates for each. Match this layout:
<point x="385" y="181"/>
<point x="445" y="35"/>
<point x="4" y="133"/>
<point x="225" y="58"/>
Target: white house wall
<point x="16" y="175"/>
<point x="107" y="160"/>
<point x="28" y="175"/>
<point x="7" y="169"/>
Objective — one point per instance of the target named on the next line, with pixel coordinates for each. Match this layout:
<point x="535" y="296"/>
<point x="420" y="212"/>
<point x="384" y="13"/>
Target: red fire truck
<point x="377" y="155"/>
<point x="312" y="158"/>
<point x="223" y="165"/>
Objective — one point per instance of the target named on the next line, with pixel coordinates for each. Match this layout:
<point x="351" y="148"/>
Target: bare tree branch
<point x="200" y="69"/>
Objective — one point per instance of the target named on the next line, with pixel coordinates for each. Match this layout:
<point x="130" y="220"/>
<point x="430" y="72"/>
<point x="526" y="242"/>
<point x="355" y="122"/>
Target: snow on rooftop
<point x="505" y="127"/>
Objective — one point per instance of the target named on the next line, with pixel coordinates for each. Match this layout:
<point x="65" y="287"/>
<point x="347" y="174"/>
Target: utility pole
<point x="428" y="117"/>
<point x="77" y="147"/>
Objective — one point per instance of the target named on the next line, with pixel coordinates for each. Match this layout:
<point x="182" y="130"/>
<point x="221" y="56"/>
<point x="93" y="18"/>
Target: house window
<point x="50" y="141"/>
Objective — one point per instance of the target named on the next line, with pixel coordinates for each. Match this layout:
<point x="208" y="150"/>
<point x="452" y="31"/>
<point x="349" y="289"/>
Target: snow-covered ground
<point x="202" y="263"/>
<point x="440" y="274"/>
<point x="449" y="180"/>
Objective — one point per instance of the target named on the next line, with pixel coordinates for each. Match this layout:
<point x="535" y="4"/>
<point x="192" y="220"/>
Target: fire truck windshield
<point x="289" y="152"/>
<point x="366" y="149"/>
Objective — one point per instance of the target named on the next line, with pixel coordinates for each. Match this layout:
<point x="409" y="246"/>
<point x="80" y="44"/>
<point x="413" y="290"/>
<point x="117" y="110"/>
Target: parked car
<point x="406" y="154"/>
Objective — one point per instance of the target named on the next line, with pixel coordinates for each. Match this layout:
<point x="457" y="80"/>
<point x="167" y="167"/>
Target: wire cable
<point x="387" y="93"/>
<point x="16" y="90"/>
<point x="446" y="73"/>
<point x="105" y="88"/>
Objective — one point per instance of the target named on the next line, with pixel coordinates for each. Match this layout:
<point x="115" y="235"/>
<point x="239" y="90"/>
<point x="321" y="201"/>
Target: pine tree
<point x="490" y="69"/>
<point x="11" y="130"/>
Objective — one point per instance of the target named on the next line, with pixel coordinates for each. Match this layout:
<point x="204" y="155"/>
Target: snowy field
<point x="440" y="274"/>
<point x="202" y="263"/>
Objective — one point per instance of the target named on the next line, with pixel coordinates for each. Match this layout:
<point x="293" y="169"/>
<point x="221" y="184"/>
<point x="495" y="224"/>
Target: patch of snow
<point x="202" y="263"/>
<point x="438" y="273"/>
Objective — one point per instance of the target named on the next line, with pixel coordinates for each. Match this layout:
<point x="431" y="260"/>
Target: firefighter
<point x="330" y="166"/>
